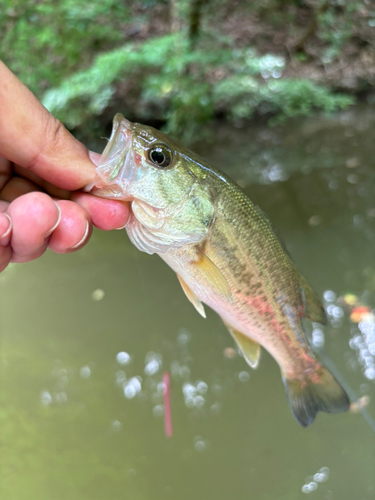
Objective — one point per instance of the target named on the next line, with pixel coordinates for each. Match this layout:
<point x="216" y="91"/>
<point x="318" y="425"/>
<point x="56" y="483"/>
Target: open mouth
<point x="116" y="166"/>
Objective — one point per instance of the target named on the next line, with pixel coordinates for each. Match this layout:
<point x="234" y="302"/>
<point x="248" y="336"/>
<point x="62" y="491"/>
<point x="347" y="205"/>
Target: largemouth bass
<point x="225" y="253"/>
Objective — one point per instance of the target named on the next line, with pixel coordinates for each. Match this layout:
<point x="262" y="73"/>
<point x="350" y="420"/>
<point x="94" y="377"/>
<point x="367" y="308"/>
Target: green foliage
<point x="76" y="56"/>
<point x="281" y="98"/>
<point x="179" y="86"/>
<point x="90" y="91"/>
<point x="43" y="42"/>
<point x="336" y="30"/>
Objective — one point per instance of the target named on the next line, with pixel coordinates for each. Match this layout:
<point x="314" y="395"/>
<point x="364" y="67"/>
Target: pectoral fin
<point x="249" y="348"/>
<point x="213" y="274"/>
<point x="192" y="297"/>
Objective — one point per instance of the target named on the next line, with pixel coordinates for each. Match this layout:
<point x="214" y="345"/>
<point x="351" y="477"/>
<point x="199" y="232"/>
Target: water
<point x="86" y="338"/>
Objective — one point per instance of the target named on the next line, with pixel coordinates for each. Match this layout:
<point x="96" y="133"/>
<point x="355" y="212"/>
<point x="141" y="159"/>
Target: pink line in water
<point x="167" y="404"/>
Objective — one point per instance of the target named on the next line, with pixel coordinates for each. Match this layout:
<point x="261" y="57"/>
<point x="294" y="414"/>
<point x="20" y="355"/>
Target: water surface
<point x="86" y="338"/>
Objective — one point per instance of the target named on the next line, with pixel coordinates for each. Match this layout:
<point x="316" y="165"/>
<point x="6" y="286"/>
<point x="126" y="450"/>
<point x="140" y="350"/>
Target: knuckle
<point x="51" y="142"/>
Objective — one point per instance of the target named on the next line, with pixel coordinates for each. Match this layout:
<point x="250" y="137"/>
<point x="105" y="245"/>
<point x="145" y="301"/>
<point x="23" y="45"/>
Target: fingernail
<point x="48" y="233"/>
<point x="84" y="236"/>
<point x="119" y="228"/>
<point x="124" y="226"/>
<point x="5" y="238"/>
<point x="94" y="157"/>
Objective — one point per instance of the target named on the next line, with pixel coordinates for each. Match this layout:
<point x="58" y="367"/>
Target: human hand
<point x="42" y="169"/>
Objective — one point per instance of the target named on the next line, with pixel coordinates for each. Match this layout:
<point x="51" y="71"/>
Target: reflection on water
<point x="87" y="340"/>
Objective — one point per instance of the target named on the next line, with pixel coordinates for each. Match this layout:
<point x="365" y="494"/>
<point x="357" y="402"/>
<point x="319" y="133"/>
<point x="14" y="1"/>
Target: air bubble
<point x="45" y="398"/>
<point x="370" y="373"/>
<point x="152" y="367"/>
<point x="318" y="337"/>
<point x="244" y="376"/>
<point x="337" y="312"/>
<point x="158" y="411"/>
<point x="97" y="295"/>
<point x="202" y="387"/>
<point x="130" y="392"/>
<point x="123" y="358"/>
<point x="329" y="296"/>
<point x="189" y="389"/>
<point x="85" y="372"/>
<point x="313" y="486"/>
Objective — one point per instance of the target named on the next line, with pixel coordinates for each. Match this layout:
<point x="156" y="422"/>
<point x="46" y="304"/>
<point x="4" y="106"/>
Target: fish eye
<point x="160" y="156"/>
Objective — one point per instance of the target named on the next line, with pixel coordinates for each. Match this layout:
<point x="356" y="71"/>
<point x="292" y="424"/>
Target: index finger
<point x="31" y="137"/>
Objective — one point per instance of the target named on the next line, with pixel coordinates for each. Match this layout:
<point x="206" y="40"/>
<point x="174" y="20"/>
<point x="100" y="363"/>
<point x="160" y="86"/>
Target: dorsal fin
<point x="249" y="348"/>
<point x="192" y="297"/>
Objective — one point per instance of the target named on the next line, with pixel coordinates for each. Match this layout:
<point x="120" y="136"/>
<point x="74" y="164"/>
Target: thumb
<point x="31" y="137"/>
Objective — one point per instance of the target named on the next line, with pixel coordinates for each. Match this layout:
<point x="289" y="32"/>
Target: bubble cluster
<point x="309" y="487"/>
<point x="312" y="482"/>
<point x="59" y="393"/>
<point x="363" y="342"/>
<point x="194" y="394"/>
<point x="318" y="338"/>
<point x="132" y="387"/>
<point x="201" y="398"/>
<point x="363" y="334"/>
<point x="271" y="66"/>
<point x="338" y="312"/>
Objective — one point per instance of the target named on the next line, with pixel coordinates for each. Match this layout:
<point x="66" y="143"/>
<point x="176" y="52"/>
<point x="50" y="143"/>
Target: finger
<point x="74" y="230"/>
<point x="5" y="256"/>
<point x="34" y="217"/>
<point x="105" y="214"/>
<point x="5" y="171"/>
<point x="5" y="235"/>
<point x="31" y="137"/>
<point x="52" y="190"/>
<point x="17" y="187"/>
<point x="5" y="229"/>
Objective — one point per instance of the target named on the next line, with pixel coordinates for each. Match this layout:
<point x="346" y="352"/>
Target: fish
<point x="226" y="254"/>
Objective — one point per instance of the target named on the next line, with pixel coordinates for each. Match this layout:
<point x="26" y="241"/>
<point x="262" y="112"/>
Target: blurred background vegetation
<point x="179" y="64"/>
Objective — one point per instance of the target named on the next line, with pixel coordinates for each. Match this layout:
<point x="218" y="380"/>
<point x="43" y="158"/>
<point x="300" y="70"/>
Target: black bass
<point x="225" y="253"/>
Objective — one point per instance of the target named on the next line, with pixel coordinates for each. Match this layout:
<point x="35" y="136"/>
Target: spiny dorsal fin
<point x="192" y="297"/>
<point x="312" y="307"/>
<point x="249" y="348"/>
<point x="213" y="274"/>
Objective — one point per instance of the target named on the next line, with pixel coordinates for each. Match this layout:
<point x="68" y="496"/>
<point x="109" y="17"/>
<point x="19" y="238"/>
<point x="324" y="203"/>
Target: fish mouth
<point x="116" y="167"/>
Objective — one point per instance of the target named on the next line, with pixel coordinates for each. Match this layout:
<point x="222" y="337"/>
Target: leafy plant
<point x="76" y="56"/>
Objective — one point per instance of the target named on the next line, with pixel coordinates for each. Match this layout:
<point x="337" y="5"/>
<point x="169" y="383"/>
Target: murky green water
<point x="86" y="338"/>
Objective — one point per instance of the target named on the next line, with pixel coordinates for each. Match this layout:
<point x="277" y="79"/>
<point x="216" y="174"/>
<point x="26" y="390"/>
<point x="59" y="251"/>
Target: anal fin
<point x="192" y="297"/>
<point x="249" y="348"/>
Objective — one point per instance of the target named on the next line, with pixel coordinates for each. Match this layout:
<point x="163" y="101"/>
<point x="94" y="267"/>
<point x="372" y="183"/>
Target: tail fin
<point x="319" y="391"/>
